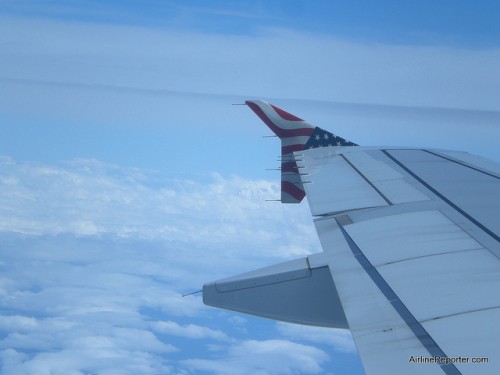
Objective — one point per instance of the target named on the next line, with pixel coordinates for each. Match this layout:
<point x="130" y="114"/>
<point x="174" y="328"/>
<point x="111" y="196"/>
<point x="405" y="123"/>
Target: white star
<point x="339" y="143"/>
<point x="317" y="137"/>
<point x="326" y="136"/>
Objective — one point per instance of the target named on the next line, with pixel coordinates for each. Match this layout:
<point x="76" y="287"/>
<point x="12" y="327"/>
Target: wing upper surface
<point x="416" y="262"/>
<point x="411" y="252"/>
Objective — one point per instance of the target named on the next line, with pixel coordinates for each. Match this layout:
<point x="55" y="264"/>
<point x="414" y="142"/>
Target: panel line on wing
<point x="428" y="255"/>
<point x="367" y="180"/>
<point x="462" y="163"/>
<point x="461" y="313"/>
<point x="416" y="327"/>
<point x="441" y="196"/>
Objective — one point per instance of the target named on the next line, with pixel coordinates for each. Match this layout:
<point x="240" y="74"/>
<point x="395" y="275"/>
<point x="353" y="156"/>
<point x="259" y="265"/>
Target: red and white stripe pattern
<point x="294" y="134"/>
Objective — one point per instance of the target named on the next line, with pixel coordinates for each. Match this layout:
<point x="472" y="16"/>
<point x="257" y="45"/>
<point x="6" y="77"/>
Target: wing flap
<point x="384" y="339"/>
<point x="299" y="291"/>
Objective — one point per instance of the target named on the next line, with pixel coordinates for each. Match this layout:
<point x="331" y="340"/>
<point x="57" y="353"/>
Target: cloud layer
<point x="95" y="258"/>
<point x="88" y="198"/>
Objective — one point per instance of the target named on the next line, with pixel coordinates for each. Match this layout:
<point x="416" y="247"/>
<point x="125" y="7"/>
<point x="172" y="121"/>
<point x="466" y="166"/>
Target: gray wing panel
<point x="299" y="291"/>
<point x="440" y="274"/>
<point x="419" y="276"/>
<point x="337" y="186"/>
<point x="472" y="191"/>
<point x="384" y="340"/>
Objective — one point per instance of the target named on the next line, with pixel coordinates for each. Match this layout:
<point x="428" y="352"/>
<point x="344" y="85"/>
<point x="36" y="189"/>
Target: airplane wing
<point x="411" y="254"/>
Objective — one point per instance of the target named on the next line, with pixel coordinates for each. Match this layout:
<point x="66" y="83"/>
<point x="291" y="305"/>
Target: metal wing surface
<point x="410" y="261"/>
<point x="413" y="245"/>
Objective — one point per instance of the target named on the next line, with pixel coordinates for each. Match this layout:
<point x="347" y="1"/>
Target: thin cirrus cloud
<point x="276" y="62"/>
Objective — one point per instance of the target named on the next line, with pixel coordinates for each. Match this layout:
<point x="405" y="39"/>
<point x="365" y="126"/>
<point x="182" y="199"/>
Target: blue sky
<point x="127" y="178"/>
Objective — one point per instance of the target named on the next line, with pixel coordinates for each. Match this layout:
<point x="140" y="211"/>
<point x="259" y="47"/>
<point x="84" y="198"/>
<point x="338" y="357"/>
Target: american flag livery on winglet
<point x="295" y="135"/>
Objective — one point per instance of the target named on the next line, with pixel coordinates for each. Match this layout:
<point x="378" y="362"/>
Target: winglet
<point x="295" y="135"/>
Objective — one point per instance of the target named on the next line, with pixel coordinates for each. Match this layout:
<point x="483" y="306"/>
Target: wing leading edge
<point x="411" y="246"/>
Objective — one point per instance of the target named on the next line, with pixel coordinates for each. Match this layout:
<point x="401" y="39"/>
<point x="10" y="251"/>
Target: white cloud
<point x="80" y="362"/>
<point x="191" y="331"/>
<point x="76" y="299"/>
<point x="88" y="198"/>
<point x="264" y="357"/>
<point x="72" y="345"/>
<point x="86" y="305"/>
<point x="340" y="339"/>
<point x="17" y="322"/>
